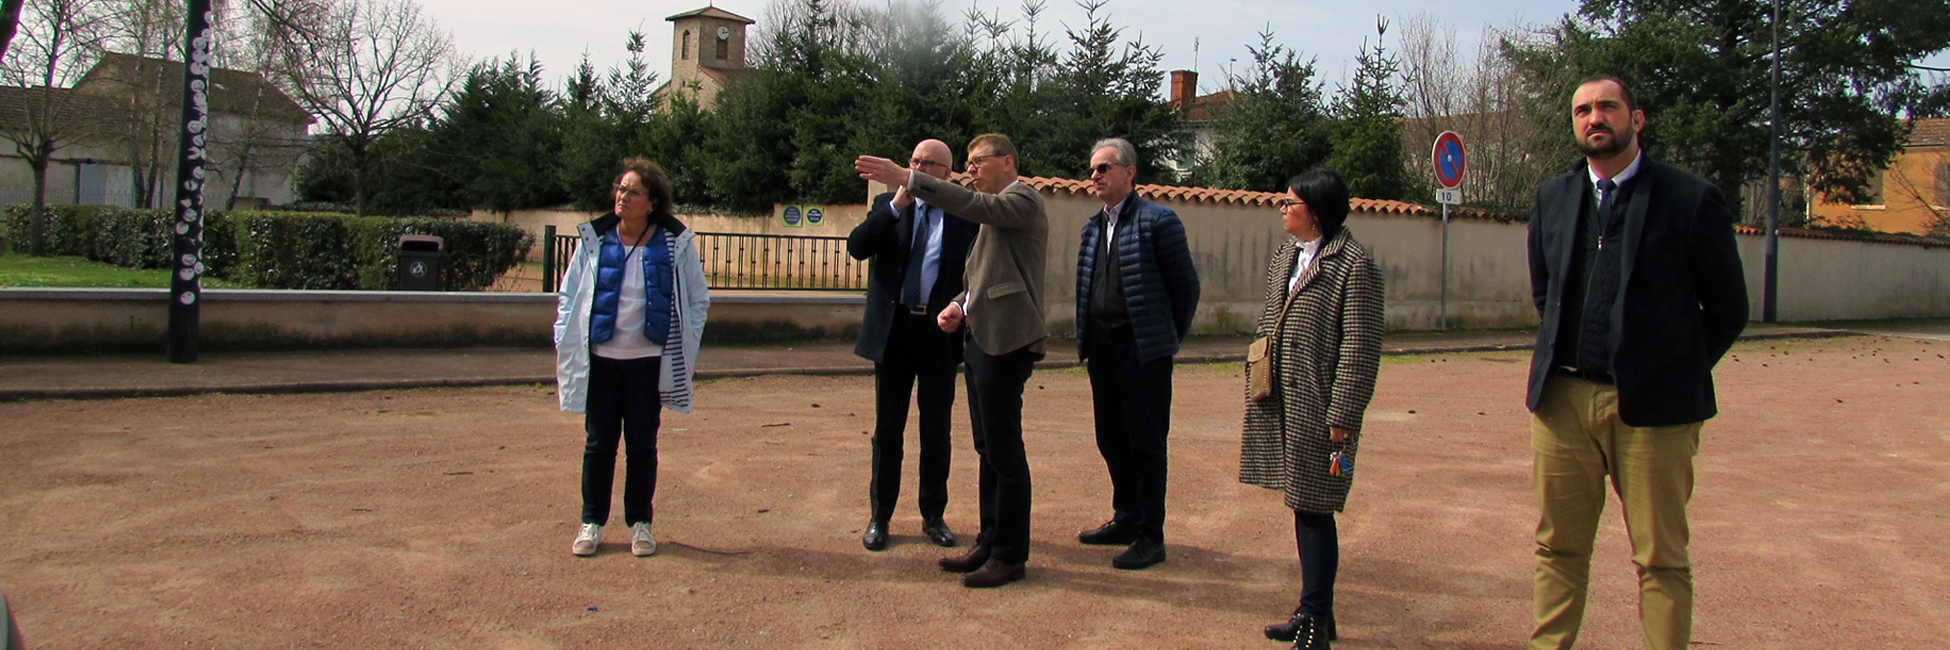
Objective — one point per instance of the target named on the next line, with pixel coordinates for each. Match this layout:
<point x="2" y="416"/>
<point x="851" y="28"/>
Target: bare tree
<point x="1503" y="120"/>
<point x="62" y="38"/>
<point x="135" y="75"/>
<point x="367" y="68"/>
<point x="9" y="23"/>
<point x="263" y="137"/>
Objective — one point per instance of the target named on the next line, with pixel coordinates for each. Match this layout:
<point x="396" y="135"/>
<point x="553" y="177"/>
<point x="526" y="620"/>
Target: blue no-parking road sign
<point x="1449" y="159"/>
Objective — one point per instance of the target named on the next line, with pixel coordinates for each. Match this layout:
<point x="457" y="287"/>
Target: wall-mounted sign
<point x="791" y="214"/>
<point x="814" y="216"/>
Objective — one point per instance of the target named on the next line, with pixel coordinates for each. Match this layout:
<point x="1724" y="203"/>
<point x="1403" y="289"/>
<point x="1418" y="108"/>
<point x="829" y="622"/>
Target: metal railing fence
<point x="745" y="261"/>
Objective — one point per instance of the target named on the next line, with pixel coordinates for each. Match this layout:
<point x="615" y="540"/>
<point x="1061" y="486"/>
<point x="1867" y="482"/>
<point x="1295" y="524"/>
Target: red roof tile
<point x="1074" y="187"/>
<point x="1878" y="238"/>
<point x="1933" y="131"/>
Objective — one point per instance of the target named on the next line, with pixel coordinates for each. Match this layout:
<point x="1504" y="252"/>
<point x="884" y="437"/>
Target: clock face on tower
<point x="724" y="33"/>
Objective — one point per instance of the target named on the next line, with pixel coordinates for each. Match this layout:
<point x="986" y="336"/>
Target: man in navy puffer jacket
<point x="1136" y="294"/>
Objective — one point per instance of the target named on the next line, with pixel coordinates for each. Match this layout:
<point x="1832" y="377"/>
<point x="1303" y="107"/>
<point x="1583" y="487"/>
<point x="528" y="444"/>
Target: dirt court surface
<point x="441" y="518"/>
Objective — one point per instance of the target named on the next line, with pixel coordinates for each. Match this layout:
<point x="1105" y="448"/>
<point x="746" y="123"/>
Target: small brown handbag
<point x="1259" y="360"/>
<point x="1259" y="369"/>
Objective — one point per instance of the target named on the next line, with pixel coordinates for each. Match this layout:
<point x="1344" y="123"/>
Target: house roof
<point x="1205" y="108"/>
<point x="233" y="92"/>
<point x="712" y="12"/>
<point x="72" y="108"/>
<point x="1930" y="132"/>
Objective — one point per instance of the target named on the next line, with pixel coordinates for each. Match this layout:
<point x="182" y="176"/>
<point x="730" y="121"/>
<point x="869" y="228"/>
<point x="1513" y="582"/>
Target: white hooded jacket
<point x="572" y="312"/>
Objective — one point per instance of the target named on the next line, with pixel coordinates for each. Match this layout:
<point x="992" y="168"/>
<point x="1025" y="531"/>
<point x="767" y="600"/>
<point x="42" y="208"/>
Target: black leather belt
<point x="917" y="311"/>
<point x="1594" y="376"/>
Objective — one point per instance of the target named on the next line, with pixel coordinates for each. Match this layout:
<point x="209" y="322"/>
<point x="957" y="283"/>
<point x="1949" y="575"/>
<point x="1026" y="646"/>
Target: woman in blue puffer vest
<point x="627" y="325"/>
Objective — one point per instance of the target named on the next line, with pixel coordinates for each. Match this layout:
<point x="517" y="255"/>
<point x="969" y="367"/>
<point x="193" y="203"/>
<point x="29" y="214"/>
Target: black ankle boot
<point x="1297" y="622"/>
<point x="1310" y="633"/>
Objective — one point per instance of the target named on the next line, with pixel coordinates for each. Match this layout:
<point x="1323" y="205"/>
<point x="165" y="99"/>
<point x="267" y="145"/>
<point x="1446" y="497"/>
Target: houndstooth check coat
<point x="1324" y="363"/>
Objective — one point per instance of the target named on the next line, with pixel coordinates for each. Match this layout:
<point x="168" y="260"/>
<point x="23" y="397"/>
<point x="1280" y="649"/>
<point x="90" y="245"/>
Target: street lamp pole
<point x="1770" y="291"/>
<point x="186" y="283"/>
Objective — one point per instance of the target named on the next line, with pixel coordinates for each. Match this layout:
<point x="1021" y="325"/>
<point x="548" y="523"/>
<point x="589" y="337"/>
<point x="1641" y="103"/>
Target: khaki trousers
<point x="1578" y="443"/>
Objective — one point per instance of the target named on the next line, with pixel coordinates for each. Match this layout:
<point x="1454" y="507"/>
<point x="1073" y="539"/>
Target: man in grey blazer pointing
<point x="1002" y="309"/>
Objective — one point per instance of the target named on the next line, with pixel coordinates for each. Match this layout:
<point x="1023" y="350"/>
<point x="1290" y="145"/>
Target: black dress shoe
<point x="1109" y="534"/>
<point x="1299" y="623"/>
<point x="974" y="559"/>
<point x="876" y="537"/>
<point x="1142" y="553"/>
<point x="994" y="574"/>
<point x="937" y="532"/>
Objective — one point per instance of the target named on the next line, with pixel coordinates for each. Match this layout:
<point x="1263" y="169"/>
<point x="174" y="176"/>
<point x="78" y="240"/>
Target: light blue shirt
<point x="931" y="251"/>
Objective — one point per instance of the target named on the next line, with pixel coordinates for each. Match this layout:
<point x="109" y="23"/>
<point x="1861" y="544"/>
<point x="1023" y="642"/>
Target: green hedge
<point x="65" y="229"/>
<point x="283" y="250"/>
<point x="330" y="251"/>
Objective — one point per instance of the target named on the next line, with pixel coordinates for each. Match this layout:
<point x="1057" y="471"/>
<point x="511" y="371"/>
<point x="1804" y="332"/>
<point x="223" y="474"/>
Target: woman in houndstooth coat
<point x="1324" y="312"/>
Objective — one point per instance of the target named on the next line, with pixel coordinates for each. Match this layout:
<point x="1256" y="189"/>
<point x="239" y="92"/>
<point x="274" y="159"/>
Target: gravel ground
<point x="441" y="518"/>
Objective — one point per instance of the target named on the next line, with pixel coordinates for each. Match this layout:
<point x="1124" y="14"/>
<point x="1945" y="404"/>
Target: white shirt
<point x="1110" y="219"/>
<point x="1626" y="175"/>
<point x="1301" y="258"/>
<point x="628" y="341"/>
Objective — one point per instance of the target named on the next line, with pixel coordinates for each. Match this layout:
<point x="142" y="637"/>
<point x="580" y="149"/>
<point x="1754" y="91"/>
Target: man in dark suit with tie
<point x="1002" y="311"/>
<point x="918" y="255"/>
<point x="1640" y="291"/>
<point x="1137" y="292"/>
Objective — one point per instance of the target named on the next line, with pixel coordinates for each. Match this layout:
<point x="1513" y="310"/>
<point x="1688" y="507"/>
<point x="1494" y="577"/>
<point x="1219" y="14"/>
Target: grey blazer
<point x="1004" y="276"/>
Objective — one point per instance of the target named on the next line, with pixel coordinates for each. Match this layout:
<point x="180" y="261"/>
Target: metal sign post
<point x="186" y="284"/>
<point x="1449" y="165"/>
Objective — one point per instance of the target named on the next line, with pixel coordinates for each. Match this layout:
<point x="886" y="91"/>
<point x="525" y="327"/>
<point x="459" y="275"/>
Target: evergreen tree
<point x="495" y="133"/>
<point x="1701" y="71"/>
<point x="1367" y="126"/>
<point x="1274" y="127"/>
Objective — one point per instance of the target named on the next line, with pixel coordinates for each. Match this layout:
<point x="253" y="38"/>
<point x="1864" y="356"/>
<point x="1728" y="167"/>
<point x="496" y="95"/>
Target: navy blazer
<point x="1682" y="301"/>
<point x="886" y="236"/>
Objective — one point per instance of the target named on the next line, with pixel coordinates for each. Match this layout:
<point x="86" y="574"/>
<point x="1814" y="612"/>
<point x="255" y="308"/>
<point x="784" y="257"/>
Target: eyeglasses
<point x="923" y="163"/>
<point x="1102" y="168"/>
<point x="1285" y="203"/>
<point x="978" y="160"/>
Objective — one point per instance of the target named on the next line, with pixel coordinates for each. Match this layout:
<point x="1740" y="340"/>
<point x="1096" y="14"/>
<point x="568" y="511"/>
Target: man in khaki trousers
<point x="1639" y="290"/>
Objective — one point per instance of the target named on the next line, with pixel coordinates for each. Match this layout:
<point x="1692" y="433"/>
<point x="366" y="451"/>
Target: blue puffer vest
<point x="658" y="287"/>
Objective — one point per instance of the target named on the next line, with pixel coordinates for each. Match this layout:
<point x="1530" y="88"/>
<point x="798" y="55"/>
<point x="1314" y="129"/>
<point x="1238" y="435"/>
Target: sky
<point x="559" y="32"/>
<point x="1202" y="35"/>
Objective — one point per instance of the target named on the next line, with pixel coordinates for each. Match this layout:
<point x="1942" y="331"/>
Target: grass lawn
<point x="18" y="270"/>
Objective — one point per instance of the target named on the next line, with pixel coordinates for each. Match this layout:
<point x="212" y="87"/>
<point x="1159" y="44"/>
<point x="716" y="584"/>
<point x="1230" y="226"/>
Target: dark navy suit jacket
<point x="886" y="237"/>
<point x="1681" y="303"/>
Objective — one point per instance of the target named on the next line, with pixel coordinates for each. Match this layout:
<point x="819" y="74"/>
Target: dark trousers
<point x="623" y="403"/>
<point x="1132" y="402"/>
<point x="1320" y="559"/>
<point x="917" y="349"/>
<point x="995" y="413"/>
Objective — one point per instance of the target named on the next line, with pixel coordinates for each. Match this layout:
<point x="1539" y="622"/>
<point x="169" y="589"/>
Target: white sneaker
<point x="586" y="539"/>
<point x="641" y="543"/>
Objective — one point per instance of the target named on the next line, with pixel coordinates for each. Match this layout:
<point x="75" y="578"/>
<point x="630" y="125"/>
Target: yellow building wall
<point x="1909" y="201"/>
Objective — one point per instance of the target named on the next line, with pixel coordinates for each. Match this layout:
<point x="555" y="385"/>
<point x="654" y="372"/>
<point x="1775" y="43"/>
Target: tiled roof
<point x="712" y="12"/>
<point x="1206" y="108"/>
<point x="1933" y="131"/>
<point x="234" y="92"/>
<point x="1075" y="187"/>
<point x="1878" y="238"/>
<point x="78" y="111"/>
